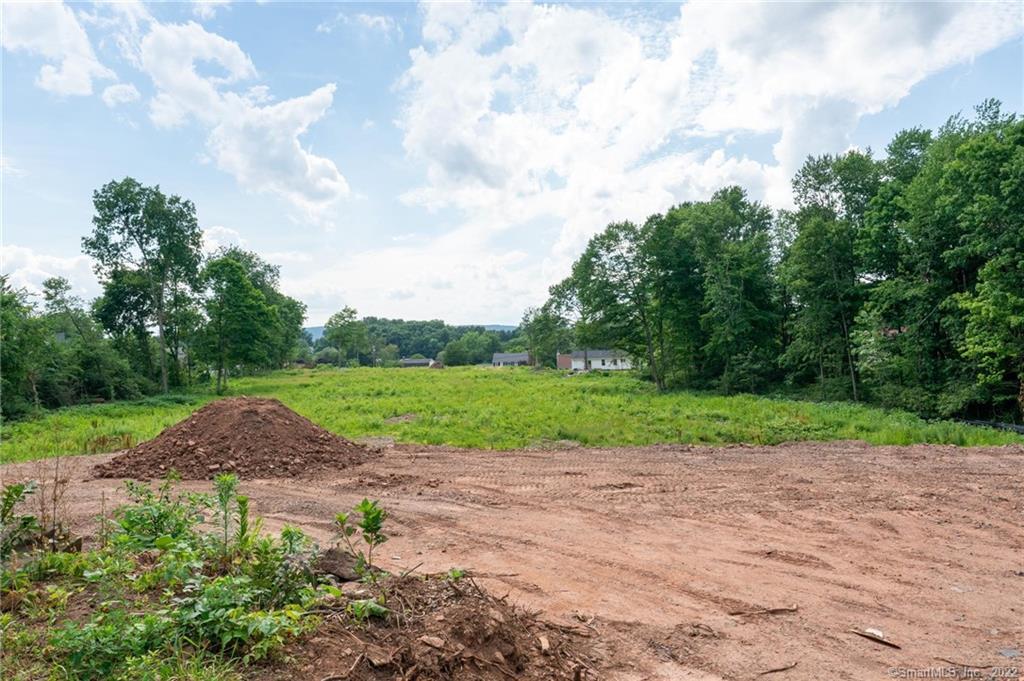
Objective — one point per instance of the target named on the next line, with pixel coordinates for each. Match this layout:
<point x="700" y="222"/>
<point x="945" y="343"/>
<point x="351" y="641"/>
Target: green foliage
<point x="364" y="609"/>
<point x="16" y="529"/>
<point x="241" y="327"/>
<point x="157" y="518"/>
<point x="178" y="665"/>
<point x="224" y="487"/>
<point x="481" y="407"/>
<point x="56" y="358"/>
<point x="225" y="612"/>
<point x="472" y="347"/>
<point x="346" y="334"/>
<point x="96" y="648"/>
<point x="370" y="527"/>
<point x="286" y="340"/>
<point x="188" y="613"/>
<point x="545" y="333"/>
<point x="141" y="230"/>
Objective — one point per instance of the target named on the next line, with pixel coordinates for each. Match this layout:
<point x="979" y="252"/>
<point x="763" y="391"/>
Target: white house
<point x="595" y="360"/>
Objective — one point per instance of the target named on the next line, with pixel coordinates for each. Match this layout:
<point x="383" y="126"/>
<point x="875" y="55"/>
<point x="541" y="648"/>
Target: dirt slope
<point x="656" y="548"/>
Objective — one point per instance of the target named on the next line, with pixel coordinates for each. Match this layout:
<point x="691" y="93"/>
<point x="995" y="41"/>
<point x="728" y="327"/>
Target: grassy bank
<point x="499" y="408"/>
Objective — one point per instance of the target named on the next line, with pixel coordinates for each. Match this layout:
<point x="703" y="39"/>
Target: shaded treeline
<point x="897" y="280"/>
<point x="169" y="316"/>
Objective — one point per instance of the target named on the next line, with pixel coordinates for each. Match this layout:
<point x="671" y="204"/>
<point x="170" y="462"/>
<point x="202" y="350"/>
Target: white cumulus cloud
<point x="256" y="142"/>
<point x="53" y="32"/>
<point x="585" y="115"/>
<point x="27" y="269"/>
<point x="121" y="93"/>
<point x="207" y="9"/>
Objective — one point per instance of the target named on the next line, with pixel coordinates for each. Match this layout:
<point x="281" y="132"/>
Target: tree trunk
<point x="1020" y="395"/>
<point x="849" y="356"/>
<point x="35" y="389"/>
<point x="160" y="335"/>
<point x="655" y="374"/>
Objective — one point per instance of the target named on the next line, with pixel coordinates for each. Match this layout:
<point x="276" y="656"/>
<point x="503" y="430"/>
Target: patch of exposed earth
<point x="701" y="562"/>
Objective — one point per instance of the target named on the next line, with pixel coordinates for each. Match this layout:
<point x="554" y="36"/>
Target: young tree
<point x="291" y="313"/>
<point x="139" y="228"/>
<point x="346" y="333"/>
<point x="546" y="334"/>
<point x="240" y="325"/>
<point x="124" y="310"/>
<point x="25" y="343"/>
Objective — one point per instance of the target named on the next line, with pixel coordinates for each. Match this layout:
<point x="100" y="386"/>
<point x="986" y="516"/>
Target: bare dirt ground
<point x="658" y="548"/>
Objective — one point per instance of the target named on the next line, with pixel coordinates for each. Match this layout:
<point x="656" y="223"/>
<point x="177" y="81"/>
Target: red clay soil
<point x="437" y="629"/>
<point x="251" y="437"/>
<point x="687" y="562"/>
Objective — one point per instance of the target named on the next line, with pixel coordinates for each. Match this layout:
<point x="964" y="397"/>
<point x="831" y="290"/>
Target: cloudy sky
<point x="450" y="160"/>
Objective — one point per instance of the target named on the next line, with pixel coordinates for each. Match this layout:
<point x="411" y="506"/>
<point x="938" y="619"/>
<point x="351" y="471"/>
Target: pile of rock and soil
<point x="251" y="437"/>
<point x="438" y="628"/>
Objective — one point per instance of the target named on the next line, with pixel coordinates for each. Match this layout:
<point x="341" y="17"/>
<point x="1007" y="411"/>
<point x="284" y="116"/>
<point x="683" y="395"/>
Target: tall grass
<point x="500" y="409"/>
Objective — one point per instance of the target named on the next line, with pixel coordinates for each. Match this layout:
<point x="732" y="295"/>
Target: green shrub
<point x="95" y="649"/>
<point x="157" y="516"/>
<point x="223" y="612"/>
<point x="16" y="530"/>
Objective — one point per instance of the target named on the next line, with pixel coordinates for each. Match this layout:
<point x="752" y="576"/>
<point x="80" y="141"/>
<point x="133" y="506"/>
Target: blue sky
<point x="450" y="160"/>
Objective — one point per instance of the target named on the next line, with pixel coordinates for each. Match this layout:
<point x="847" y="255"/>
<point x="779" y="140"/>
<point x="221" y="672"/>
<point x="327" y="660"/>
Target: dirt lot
<point x="656" y="547"/>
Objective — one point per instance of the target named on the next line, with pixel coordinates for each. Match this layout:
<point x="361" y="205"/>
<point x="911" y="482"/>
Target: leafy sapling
<point x="16" y="530"/>
<point x="363" y="609"/>
<point x="225" y="485"/>
<point x="370" y="527"/>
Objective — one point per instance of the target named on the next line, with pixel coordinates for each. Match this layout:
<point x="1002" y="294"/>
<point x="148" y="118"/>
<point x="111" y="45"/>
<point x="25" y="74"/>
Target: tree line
<point x="168" y="316"/>
<point x="375" y="341"/>
<point x="897" y="280"/>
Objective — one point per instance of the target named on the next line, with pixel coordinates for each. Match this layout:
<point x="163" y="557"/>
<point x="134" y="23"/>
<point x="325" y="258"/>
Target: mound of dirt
<point x="437" y="629"/>
<point x="253" y="438"/>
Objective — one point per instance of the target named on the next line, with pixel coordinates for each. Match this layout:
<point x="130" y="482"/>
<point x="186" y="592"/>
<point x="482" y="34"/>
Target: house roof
<point x="600" y="354"/>
<point x="415" y="361"/>
<point x="511" y="357"/>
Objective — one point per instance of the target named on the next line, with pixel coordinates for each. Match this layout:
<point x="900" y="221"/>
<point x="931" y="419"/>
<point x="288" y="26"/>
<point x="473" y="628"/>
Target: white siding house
<point x="595" y="360"/>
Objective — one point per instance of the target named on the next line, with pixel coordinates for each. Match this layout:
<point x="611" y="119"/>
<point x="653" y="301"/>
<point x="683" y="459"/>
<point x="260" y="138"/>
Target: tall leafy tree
<point x="346" y="333"/>
<point x="140" y="228"/>
<point x="611" y="282"/>
<point x="546" y="334"/>
<point x="740" y="315"/>
<point x="291" y="313"/>
<point x="821" y="270"/>
<point x="124" y="310"/>
<point x="239" y="331"/>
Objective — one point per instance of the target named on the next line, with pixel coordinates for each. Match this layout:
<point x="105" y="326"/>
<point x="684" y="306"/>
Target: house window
<point x="602" y="362"/>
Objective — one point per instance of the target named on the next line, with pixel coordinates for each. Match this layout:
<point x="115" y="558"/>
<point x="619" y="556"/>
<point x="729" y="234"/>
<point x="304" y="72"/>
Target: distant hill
<point x="316" y="332"/>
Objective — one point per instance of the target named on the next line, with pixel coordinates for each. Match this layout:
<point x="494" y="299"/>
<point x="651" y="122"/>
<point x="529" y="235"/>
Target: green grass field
<point x="495" y="408"/>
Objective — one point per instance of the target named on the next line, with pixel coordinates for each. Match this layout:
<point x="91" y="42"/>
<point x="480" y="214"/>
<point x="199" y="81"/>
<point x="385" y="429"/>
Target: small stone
<point x="433" y="641"/>
<point x="545" y="646"/>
